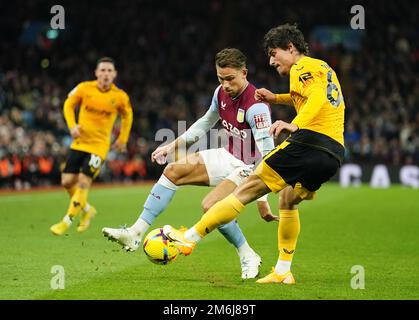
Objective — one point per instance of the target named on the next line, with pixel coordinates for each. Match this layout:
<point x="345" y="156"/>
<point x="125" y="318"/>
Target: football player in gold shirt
<point x="310" y="156"/>
<point x="99" y="102"/>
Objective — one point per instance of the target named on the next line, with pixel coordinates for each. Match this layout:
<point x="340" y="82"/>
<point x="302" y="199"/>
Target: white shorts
<point x="221" y="165"/>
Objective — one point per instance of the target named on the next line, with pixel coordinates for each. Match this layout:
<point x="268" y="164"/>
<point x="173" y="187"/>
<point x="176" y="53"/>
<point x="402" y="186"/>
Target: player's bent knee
<point x="289" y="199"/>
<point x="172" y="173"/>
<point x="84" y="181"/>
<point x="67" y="182"/>
<point x="251" y="189"/>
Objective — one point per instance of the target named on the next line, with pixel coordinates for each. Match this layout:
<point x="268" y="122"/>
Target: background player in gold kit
<point x="100" y="102"/>
<point x="309" y="157"/>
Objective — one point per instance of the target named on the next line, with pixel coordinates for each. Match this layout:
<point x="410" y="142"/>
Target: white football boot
<point x="250" y="266"/>
<point x="126" y="238"/>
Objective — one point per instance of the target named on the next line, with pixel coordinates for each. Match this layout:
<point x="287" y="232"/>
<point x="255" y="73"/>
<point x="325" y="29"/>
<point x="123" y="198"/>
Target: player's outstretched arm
<point x="160" y="154"/>
<point x="69" y="109"/>
<point x="195" y="131"/>
<point x="119" y="146"/>
<point x="126" y="123"/>
<point x="265" y="211"/>
<point x="280" y="125"/>
<point x="264" y="95"/>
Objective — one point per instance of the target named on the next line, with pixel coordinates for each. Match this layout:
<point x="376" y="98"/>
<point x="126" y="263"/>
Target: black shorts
<point x="84" y="162"/>
<point x="301" y="164"/>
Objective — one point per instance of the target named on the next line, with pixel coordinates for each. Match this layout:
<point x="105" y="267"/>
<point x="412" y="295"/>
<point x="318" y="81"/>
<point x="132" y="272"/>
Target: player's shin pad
<point x="222" y="212"/>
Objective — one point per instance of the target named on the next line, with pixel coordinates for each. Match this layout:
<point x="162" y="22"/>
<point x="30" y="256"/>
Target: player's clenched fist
<point x="264" y="95"/>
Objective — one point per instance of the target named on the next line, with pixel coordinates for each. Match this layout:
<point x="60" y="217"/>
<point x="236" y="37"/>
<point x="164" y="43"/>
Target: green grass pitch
<point x="374" y="228"/>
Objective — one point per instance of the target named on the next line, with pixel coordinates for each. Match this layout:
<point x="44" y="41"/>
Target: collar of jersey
<point x="296" y="64"/>
<point x="111" y="87"/>
<point x="235" y="98"/>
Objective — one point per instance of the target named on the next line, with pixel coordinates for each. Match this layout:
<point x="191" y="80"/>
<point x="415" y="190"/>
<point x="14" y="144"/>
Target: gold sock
<point x="72" y="190"/>
<point x="222" y="212"/>
<point x="77" y="202"/>
<point x="288" y="231"/>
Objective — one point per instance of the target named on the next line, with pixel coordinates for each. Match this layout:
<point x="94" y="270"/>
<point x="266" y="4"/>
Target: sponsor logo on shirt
<point x="233" y="131"/>
<point x="261" y="121"/>
<point x="99" y="112"/>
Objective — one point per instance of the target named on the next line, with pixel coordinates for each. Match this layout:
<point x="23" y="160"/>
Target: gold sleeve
<point x="74" y="98"/>
<point x="284" y="98"/>
<point x="316" y="98"/>
<point x="126" y="120"/>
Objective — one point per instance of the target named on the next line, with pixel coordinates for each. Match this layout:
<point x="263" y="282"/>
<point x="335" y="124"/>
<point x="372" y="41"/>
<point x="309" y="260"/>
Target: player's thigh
<point x="220" y="164"/>
<point x="73" y="163"/>
<point x="269" y="174"/>
<point x="251" y="189"/>
<point x="218" y="193"/>
<point x="189" y="170"/>
<point x="90" y="169"/>
<point x="305" y="169"/>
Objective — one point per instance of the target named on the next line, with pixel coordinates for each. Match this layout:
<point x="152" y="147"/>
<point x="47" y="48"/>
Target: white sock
<point x="139" y="227"/>
<point x="86" y="207"/>
<point x="245" y="250"/>
<point x="282" y="266"/>
<point x="164" y="181"/>
<point x="68" y="220"/>
<point x="192" y="235"/>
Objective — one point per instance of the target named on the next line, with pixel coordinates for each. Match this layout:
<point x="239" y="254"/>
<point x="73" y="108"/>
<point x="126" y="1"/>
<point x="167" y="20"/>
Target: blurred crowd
<point x="165" y="62"/>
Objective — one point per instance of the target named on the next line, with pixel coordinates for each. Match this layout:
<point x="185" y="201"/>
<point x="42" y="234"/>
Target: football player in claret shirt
<point x="246" y="123"/>
<point x="310" y="156"/>
<point x="100" y="102"/>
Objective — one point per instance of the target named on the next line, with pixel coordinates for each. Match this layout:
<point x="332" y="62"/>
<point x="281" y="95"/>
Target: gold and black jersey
<point x="317" y="97"/>
<point x="97" y="115"/>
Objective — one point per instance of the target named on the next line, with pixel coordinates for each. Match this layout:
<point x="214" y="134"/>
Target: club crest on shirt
<point x="240" y="115"/>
